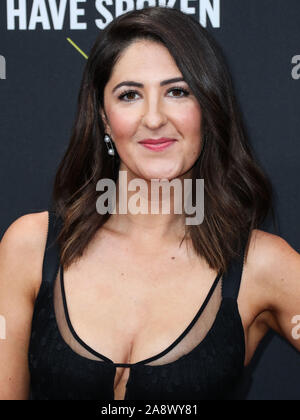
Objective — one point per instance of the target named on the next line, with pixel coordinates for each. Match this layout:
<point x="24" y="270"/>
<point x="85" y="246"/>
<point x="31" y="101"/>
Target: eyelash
<point x="185" y="91"/>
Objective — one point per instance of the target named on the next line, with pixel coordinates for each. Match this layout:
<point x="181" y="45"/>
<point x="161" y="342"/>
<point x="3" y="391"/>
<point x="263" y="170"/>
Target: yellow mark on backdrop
<point x="77" y="48"/>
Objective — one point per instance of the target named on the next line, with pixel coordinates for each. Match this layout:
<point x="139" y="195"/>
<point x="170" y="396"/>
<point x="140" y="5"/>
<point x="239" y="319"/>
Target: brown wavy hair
<point x="238" y="195"/>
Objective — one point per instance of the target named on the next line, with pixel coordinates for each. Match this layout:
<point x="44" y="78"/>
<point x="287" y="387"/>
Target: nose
<point x="154" y="115"/>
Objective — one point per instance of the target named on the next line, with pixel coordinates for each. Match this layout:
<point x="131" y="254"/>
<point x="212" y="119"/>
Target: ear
<point x="103" y="117"/>
<point x="105" y="122"/>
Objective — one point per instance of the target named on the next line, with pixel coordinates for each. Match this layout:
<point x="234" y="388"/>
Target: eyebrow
<point x="140" y="85"/>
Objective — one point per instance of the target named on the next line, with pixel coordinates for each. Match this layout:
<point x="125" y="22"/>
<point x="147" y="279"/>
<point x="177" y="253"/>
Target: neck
<point x="147" y="209"/>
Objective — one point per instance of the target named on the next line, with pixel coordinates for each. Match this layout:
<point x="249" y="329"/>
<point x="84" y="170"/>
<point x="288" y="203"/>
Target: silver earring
<point x="109" y="145"/>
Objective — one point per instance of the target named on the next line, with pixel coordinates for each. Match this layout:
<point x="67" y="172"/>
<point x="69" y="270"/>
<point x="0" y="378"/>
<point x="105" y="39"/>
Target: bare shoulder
<point x="267" y="254"/>
<point x="271" y="266"/>
<point x="27" y="233"/>
<point x="269" y="241"/>
<point x="23" y="245"/>
<point x="21" y="259"/>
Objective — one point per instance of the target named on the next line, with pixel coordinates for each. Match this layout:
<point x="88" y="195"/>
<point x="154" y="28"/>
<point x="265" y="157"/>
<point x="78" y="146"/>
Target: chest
<point x="132" y="308"/>
<point x="129" y="305"/>
<point x="119" y="307"/>
<point x="195" y="368"/>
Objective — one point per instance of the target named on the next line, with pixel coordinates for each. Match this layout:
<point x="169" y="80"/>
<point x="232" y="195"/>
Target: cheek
<point x="189" y="123"/>
<point x="189" y="116"/>
<point x="121" y="124"/>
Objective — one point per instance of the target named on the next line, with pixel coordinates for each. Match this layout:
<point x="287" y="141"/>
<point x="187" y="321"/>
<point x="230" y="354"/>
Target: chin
<point x="160" y="173"/>
<point x="159" y="177"/>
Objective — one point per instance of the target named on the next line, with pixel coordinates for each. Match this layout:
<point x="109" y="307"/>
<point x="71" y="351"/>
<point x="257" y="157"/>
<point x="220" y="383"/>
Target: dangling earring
<point x="109" y="145"/>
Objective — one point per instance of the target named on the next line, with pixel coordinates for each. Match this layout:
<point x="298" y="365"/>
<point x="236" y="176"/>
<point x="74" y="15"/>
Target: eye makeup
<point x="177" y="88"/>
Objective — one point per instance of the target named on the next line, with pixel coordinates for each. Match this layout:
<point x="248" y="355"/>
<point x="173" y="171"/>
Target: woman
<point x="112" y="306"/>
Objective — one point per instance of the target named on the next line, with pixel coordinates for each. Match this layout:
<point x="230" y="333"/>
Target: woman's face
<point x="152" y="111"/>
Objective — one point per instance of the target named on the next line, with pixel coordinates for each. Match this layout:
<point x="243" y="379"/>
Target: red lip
<point x="157" y="141"/>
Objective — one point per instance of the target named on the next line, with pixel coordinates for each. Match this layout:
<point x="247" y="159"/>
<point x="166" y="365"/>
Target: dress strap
<point x="233" y="276"/>
<point x="51" y="256"/>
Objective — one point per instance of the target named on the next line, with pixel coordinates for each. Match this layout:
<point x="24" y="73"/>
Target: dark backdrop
<point x="38" y="93"/>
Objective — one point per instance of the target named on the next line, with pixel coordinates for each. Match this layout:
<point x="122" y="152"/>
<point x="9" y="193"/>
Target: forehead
<point x="145" y="59"/>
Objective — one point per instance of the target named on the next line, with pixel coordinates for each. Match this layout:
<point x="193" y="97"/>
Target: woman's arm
<point x="278" y="268"/>
<point x="21" y="256"/>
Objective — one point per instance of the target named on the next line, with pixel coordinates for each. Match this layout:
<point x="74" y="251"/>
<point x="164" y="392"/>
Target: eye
<point x="133" y="92"/>
<point x="179" y="89"/>
<point x="126" y="93"/>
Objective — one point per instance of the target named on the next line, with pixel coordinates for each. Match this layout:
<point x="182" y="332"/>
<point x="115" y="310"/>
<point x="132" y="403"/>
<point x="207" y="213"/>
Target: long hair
<point x="238" y="195"/>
